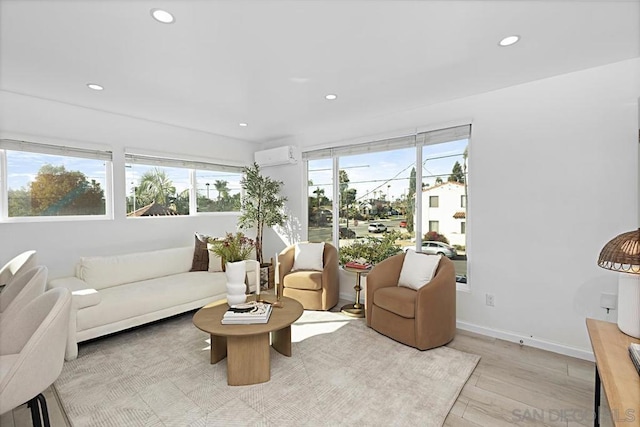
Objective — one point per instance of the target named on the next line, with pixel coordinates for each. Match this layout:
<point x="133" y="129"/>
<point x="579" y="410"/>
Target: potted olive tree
<point x="262" y="207"/>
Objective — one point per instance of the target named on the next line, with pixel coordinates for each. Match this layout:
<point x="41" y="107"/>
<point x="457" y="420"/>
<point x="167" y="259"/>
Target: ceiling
<point x="270" y="63"/>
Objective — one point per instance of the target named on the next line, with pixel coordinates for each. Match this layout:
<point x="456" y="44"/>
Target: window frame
<point x="7" y="144"/>
<point x="191" y="166"/>
<point x="419" y="141"/>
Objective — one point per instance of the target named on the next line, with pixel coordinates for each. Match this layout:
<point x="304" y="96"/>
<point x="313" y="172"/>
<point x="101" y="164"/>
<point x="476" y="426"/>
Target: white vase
<point x="236" y="272"/>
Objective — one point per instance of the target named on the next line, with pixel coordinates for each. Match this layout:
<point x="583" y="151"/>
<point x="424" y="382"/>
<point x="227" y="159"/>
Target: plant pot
<point x="236" y="288"/>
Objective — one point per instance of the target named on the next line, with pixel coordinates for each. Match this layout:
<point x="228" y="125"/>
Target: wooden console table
<point x="614" y="369"/>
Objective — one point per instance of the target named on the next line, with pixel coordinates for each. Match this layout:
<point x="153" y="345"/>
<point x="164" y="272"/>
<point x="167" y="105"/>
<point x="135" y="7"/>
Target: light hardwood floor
<point x="512" y="385"/>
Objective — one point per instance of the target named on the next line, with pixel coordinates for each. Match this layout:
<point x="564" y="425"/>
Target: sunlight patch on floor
<point x="313" y="323"/>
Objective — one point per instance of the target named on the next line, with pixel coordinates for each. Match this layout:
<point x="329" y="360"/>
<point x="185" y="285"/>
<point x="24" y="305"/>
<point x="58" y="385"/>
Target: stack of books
<point x="358" y="265"/>
<point x="247" y="313"/>
<point x="634" y="352"/>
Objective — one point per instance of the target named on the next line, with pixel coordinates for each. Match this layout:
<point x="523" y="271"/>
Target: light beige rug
<point x="341" y="373"/>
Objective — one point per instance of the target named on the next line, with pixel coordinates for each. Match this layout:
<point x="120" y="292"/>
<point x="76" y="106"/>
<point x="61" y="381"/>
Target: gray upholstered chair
<point x="315" y="290"/>
<point x="22" y="289"/>
<point x="32" y="346"/>
<point x="20" y="263"/>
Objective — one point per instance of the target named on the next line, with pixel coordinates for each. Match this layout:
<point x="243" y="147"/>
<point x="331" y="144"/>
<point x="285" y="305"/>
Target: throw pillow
<point x="308" y="256"/>
<point x="200" y="254"/>
<point x="418" y="269"/>
<point x="215" y="262"/>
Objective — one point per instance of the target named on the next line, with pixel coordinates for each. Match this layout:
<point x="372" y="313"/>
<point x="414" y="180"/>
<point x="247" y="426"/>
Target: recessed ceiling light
<point x="95" y="86"/>
<point x="243" y="125"/>
<point x="331" y="97"/>
<point x="162" y="16"/>
<point x="508" y="41"/>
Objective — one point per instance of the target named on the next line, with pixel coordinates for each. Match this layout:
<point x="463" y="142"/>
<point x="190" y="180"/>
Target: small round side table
<point x="356" y="309"/>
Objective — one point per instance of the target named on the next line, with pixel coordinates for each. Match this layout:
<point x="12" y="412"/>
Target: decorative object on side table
<point x="360" y="257"/>
<point x="262" y="206"/>
<point x="234" y="249"/>
<point x="622" y="254"/>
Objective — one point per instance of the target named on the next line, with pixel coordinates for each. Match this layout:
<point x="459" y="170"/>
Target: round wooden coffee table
<point x="246" y="347"/>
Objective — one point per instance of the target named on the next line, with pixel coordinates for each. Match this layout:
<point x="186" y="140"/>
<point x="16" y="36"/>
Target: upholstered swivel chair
<point x="20" y="263"/>
<point x="423" y="318"/>
<point x="315" y="290"/>
<point x="22" y="289"/>
<point x="32" y="346"/>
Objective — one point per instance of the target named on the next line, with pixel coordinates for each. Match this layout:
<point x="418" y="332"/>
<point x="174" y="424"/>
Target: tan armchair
<point x="423" y="319"/>
<point x="315" y="290"/>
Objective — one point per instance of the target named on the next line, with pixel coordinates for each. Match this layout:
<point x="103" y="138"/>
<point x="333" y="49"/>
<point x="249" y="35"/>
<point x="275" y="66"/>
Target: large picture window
<point x="47" y="181"/>
<point x="411" y="189"/>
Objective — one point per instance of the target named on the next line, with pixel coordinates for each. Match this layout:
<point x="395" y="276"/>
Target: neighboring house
<point x="153" y="209"/>
<point x="444" y="209"/>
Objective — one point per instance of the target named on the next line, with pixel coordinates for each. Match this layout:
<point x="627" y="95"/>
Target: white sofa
<point x="113" y="293"/>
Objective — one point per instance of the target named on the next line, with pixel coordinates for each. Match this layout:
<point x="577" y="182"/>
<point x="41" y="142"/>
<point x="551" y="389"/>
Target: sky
<point x="388" y="171"/>
<point x="23" y="167"/>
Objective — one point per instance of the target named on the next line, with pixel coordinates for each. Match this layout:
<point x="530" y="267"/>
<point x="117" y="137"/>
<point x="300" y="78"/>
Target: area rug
<point x="340" y="373"/>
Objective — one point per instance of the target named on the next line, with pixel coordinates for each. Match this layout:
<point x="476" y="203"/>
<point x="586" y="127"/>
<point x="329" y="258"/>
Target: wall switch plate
<point x="608" y="301"/>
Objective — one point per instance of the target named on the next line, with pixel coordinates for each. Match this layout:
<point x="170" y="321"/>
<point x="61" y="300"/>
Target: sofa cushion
<point x="148" y="296"/>
<point x="418" y="269"/>
<point x="395" y="299"/>
<point x="200" y="253"/>
<point x="309" y="280"/>
<point x="104" y="271"/>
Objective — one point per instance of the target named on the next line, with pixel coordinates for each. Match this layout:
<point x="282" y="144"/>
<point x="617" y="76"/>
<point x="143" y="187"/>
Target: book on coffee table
<point x="247" y="313"/>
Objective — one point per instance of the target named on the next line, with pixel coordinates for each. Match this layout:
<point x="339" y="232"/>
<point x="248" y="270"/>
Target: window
<point x="463" y="227"/>
<point x="320" y="202"/>
<point x="168" y="187"/>
<point x="218" y="191"/>
<point x="463" y="201"/>
<point x="49" y="181"/>
<point x="351" y="187"/>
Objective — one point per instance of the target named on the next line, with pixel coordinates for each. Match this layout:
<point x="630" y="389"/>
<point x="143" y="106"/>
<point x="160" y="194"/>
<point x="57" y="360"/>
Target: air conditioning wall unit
<point x="277" y="156"/>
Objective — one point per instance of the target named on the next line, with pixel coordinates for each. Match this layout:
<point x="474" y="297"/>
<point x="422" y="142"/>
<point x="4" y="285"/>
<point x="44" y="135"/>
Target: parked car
<point x="347" y="233"/>
<point x="376" y="227"/>
<point x="436" y="248"/>
<point x="403" y="224"/>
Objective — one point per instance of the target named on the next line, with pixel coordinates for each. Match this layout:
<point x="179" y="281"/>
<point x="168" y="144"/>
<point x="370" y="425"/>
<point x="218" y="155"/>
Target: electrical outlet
<point x="489" y="300"/>
<point x="608" y="301"/>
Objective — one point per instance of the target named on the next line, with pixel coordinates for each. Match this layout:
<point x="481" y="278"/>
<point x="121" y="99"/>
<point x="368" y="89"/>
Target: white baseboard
<point x="507" y="336"/>
<point x="351" y="297"/>
<point x="531" y="342"/>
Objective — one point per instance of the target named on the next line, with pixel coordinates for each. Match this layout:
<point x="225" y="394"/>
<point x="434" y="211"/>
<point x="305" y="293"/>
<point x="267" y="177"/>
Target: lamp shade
<point x="622" y="253"/>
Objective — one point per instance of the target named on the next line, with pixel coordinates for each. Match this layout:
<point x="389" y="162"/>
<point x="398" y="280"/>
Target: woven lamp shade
<point x="622" y="253"/>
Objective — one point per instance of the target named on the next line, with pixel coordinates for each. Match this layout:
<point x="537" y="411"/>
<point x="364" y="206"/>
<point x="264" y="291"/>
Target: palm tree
<point x="222" y="189"/>
<point x="156" y="186"/>
<point x="319" y="192"/>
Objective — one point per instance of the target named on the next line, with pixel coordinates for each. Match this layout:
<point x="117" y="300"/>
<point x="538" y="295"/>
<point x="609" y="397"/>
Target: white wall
<point x="553" y="167"/>
<point x="60" y="244"/>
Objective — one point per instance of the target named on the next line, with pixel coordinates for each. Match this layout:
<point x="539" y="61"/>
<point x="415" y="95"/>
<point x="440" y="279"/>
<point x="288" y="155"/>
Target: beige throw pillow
<point x="215" y="262"/>
<point x="418" y="269"/>
<point x="308" y="256"/>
